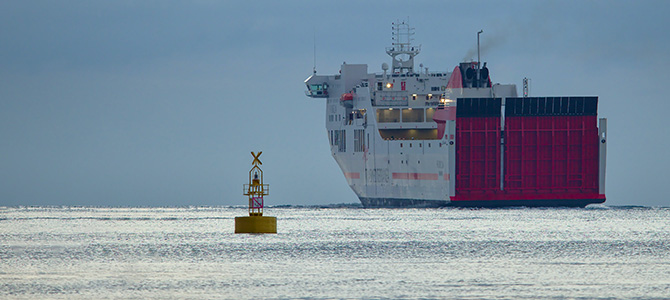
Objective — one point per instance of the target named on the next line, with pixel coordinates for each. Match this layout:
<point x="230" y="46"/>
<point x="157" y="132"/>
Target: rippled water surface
<point x="163" y="253"/>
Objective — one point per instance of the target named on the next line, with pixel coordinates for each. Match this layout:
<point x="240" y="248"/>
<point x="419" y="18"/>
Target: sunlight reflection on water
<point x="598" y="252"/>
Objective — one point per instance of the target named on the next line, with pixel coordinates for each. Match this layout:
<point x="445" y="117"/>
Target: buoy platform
<point x="256" y="189"/>
<point x="255" y="224"/>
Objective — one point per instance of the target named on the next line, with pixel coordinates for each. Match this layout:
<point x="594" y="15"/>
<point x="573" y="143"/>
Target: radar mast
<point x="401" y="51"/>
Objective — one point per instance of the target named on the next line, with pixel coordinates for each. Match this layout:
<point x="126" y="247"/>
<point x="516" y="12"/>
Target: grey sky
<point x="160" y="102"/>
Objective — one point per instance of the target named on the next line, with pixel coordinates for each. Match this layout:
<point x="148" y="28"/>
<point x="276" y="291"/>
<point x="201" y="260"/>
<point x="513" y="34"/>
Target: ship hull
<point x="529" y="203"/>
<point x="420" y="203"/>
<point x="369" y="202"/>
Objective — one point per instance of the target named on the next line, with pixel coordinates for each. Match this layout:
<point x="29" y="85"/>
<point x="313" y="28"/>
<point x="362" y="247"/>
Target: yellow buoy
<point x="256" y="189"/>
<point x="255" y="224"/>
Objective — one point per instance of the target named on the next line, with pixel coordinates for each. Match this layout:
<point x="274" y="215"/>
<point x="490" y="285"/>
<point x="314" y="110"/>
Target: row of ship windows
<point x="398" y="97"/>
<point x="409" y="75"/>
<point x="409" y="134"/>
<point x="354" y="114"/>
<point x="406" y="115"/>
<point x="403" y="86"/>
<point x="420" y="145"/>
<point x="334" y="118"/>
<point x="339" y="138"/>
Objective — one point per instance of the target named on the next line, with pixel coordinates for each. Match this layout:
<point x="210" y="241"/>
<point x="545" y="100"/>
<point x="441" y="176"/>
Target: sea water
<point x="599" y="252"/>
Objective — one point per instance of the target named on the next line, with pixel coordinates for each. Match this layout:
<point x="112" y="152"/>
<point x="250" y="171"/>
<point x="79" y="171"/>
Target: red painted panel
<point x="551" y="154"/>
<point x="456" y="80"/>
<point x="477" y="155"/>
<point x="352" y="175"/>
<point x="526" y="197"/>
<point x="441" y="116"/>
<point x="551" y="150"/>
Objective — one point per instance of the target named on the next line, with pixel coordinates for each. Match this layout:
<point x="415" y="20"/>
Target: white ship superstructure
<point x="394" y="133"/>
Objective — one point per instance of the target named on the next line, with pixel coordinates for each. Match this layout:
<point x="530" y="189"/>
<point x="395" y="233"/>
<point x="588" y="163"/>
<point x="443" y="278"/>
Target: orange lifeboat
<point x="347" y="99"/>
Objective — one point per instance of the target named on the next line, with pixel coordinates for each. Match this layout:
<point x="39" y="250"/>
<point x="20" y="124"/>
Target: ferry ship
<point x="408" y="137"/>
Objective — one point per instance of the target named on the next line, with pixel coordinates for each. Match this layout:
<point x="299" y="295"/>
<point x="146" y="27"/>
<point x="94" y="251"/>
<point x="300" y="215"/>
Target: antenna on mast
<point x="402" y="52"/>
<point x="526" y="87"/>
<point x="314" y="67"/>
<point x="477" y="80"/>
<point x="478" y="57"/>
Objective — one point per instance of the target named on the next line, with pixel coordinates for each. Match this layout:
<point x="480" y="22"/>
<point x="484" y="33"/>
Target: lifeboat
<point x="347" y="100"/>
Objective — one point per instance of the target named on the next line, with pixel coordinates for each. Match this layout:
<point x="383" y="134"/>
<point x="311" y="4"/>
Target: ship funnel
<point x="484" y="80"/>
<point x="469" y="74"/>
<point x="470" y="77"/>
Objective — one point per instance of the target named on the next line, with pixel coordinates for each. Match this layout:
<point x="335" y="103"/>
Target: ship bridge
<point x="317" y="86"/>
